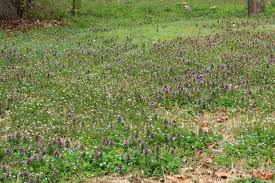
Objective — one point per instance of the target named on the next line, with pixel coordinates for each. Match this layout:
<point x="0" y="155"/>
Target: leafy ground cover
<point x="138" y="90"/>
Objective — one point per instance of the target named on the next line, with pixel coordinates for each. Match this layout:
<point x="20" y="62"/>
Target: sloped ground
<point x="202" y="167"/>
<point x="192" y="99"/>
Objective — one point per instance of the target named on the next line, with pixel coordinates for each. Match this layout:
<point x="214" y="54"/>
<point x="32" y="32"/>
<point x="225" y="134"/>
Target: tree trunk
<point x="14" y="9"/>
<point x="8" y="10"/>
<point x="256" y="7"/>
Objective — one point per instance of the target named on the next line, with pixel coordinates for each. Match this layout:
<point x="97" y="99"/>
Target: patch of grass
<point x="211" y="85"/>
<point x="156" y="154"/>
<point x="255" y="146"/>
<point x="84" y="100"/>
<point x="251" y="180"/>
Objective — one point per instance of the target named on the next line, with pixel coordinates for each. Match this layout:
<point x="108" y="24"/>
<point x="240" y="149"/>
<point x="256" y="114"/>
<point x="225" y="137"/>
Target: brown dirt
<point x="5" y="120"/>
<point x="9" y="25"/>
<point x="207" y="120"/>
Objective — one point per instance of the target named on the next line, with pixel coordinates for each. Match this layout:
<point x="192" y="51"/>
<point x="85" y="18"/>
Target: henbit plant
<point x="83" y="101"/>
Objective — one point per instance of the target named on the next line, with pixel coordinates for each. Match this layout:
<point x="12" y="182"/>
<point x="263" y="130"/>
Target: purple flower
<point x="58" y="141"/>
<point x="126" y="143"/>
<point x="28" y="162"/>
<point x="25" y="174"/>
<point x="9" y="150"/>
<point x="166" y="90"/>
<point x="146" y="152"/>
<point x="245" y="82"/>
<point x="227" y="87"/>
<point x="7" y="176"/>
<point x="223" y="66"/>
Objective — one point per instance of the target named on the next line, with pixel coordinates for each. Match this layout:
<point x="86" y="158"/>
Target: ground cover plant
<point x="138" y="87"/>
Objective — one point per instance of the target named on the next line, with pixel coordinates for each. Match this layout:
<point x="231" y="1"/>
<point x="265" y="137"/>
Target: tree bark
<point x="256" y="7"/>
<point x="14" y="9"/>
<point x="8" y="10"/>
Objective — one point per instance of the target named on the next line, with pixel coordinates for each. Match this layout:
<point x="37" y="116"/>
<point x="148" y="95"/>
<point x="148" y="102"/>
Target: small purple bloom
<point x="223" y="66"/>
<point x="25" y="174"/>
<point x="146" y="152"/>
<point x="126" y="143"/>
<point x="245" y="82"/>
<point x="166" y="90"/>
<point x="227" y="87"/>
<point x="28" y="162"/>
<point x="9" y="150"/>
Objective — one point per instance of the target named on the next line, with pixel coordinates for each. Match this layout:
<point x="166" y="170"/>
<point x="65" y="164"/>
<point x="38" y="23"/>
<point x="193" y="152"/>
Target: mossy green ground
<point x="119" y="90"/>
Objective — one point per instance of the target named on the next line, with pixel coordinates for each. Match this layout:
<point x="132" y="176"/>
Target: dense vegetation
<point x="120" y="88"/>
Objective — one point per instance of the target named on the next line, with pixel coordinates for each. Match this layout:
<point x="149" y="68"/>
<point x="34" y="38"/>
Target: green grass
<point x="251" y="180"/>
<point x="83" y="100"/>
<point x="253" y="145"/>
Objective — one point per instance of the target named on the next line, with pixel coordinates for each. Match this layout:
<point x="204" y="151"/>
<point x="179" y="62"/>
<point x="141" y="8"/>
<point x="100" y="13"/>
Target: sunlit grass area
<point x="137" y="87"/>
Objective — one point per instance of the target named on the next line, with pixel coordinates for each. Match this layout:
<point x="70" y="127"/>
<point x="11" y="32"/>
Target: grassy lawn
<point x="141" y="88"/>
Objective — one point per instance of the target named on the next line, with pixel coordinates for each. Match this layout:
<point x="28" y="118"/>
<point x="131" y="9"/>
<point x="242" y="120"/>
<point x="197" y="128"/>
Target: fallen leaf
<point x="183" y="179"/>
<point x="179" y="179"/>
<point x="222" y="174"/>
<point x="263" y="175"/>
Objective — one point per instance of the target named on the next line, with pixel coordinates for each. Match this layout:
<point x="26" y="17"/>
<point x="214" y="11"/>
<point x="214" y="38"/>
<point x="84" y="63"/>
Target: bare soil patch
<point x="28" y="24"/>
